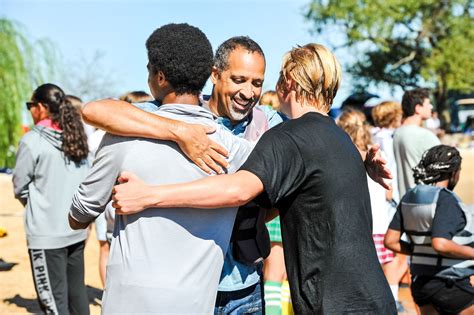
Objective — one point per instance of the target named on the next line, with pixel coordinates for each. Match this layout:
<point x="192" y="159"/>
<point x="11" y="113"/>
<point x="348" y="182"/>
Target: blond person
<point x="310" y="170"/>
<point x="274" y="272"/>
<point x="388" y="117"/>
<point x="270" y="98"/>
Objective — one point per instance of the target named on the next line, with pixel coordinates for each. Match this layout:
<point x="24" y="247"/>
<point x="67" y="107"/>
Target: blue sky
<point x="119" y="30"/>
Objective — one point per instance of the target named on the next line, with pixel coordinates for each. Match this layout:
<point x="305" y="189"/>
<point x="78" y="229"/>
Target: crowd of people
<point x="240" y="202"/>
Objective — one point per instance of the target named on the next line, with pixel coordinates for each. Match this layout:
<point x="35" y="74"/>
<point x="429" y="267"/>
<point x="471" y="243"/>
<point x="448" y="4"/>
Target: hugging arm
<point x="211" y="192"/>
<point x="124" y="119"/>
<point x="267" y="168"/>
<point x="94" y="193"/>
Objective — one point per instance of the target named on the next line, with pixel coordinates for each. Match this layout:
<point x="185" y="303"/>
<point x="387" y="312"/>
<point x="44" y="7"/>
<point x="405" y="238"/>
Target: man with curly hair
<point x="237" y="76"/>
<point x="163" y="261"/>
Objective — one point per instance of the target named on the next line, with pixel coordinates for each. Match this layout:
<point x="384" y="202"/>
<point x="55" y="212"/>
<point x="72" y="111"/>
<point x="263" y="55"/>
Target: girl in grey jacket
<point x="51" y="162"/>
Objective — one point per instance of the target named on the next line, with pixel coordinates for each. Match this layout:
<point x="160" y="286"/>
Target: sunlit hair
<point x="413" y="98"/>
<point x="75" y="101"/>
<point x="386" y="114"/>
<point x="354" y="123"/>
<point x="136" y="97"/>
<point x="74" y="139"/>
<point x="270" y="98"/>
<point x="437" y="164"/>
<point x="313" y="72"/>
<point x="183" y="54"/>
<point x="223" y="52"/>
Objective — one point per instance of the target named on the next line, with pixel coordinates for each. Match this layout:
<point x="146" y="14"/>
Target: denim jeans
<point x="246" y="301"/>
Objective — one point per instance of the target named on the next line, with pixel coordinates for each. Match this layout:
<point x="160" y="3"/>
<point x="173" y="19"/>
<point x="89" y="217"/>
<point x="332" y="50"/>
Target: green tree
<point x="20" y="69"/>
<point x="406" y="43"/>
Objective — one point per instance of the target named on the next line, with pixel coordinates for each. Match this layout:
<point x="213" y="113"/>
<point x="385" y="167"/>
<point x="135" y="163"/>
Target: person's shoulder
<point x="273" y="117"/>
<point x="151" y="106"/>
<point x="448" y="196"/>
<point x="267" y="110"/>
<point x="33" y="138"/>
<point x="227" y="138"/>
<point x="110" y="139"/>
<point x="403" y="130"/>
<point x="30" y="136"/>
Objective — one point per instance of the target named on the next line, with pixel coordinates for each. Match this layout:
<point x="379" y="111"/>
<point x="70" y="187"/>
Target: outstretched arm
<point x="124" y="119"/>
<point x="237" y="189"/>
<point x="376" y="166"/>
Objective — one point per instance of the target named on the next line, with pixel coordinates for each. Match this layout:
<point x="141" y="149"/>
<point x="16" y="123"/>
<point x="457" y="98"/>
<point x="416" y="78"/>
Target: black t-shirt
<point x="449" y="219"/>
<point x="314" y="175"/>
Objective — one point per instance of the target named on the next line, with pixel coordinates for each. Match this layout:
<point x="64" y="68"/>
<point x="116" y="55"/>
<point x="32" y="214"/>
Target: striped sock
<point x="286" y="307"/>
<point x="272" y="298"/>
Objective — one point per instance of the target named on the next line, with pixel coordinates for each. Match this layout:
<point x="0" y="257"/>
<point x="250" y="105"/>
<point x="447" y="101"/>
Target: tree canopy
<point x="26" y="64"/>
<point x="406" y="43"/>
<point x="19" y="71"/>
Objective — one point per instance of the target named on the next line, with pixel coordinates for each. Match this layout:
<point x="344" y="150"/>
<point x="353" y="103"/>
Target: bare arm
<point x="449" y="248"/>
<point x="393" y="242"/>
<point x="124" y="119"/>
<point x="211" y="192"/>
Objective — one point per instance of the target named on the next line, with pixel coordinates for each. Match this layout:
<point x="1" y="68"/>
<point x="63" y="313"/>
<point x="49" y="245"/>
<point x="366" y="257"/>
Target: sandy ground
<point x="17" y="295"/>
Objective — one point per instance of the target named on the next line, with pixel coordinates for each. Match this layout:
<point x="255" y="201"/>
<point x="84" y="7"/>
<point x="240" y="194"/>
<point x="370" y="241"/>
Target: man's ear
<point x="417" y="108"/>
<point x="160" y="78"/>
<point x="214" y="75"/>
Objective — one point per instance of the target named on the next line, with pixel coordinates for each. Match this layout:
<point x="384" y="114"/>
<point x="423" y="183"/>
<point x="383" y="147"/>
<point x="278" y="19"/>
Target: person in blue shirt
<point x="237" y="77"/>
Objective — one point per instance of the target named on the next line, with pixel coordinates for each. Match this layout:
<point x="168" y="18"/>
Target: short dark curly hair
<point x="184" y="55"/>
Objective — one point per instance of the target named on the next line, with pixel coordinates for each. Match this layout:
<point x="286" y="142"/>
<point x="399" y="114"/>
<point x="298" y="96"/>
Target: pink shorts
<point x="384" y="255"/>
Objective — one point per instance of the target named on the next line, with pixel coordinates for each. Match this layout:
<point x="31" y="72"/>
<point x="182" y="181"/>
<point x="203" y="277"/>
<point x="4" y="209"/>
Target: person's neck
<point x="443" y="183"/>
<point x="300" y="107"/>
<point x="412" y="120"/>
<point x="212" y="103"/>
<point x="298" y="110"/>
<point x="173" y="98"/>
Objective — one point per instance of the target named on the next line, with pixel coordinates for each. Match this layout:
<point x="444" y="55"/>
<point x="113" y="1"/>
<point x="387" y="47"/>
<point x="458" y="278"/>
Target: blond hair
<point x="270" y="98"/>
<point x="315" y="75"/>
<point x="353" y="122"/>
<point x="136" y="97"/>
<point x="386" y="114"/>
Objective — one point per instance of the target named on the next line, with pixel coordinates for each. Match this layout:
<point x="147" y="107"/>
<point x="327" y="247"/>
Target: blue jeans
<point x="245" y="301"/>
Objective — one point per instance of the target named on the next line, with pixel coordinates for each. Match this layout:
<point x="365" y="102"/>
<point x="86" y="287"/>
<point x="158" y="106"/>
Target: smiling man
<point x="161" y="261"/>
<point x="237" y="77"/>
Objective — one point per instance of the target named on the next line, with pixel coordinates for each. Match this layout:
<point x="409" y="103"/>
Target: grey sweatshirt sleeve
<point x="23" y="173"/>
<point x="239" y="150"/>
<point x="95" y="192"/>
